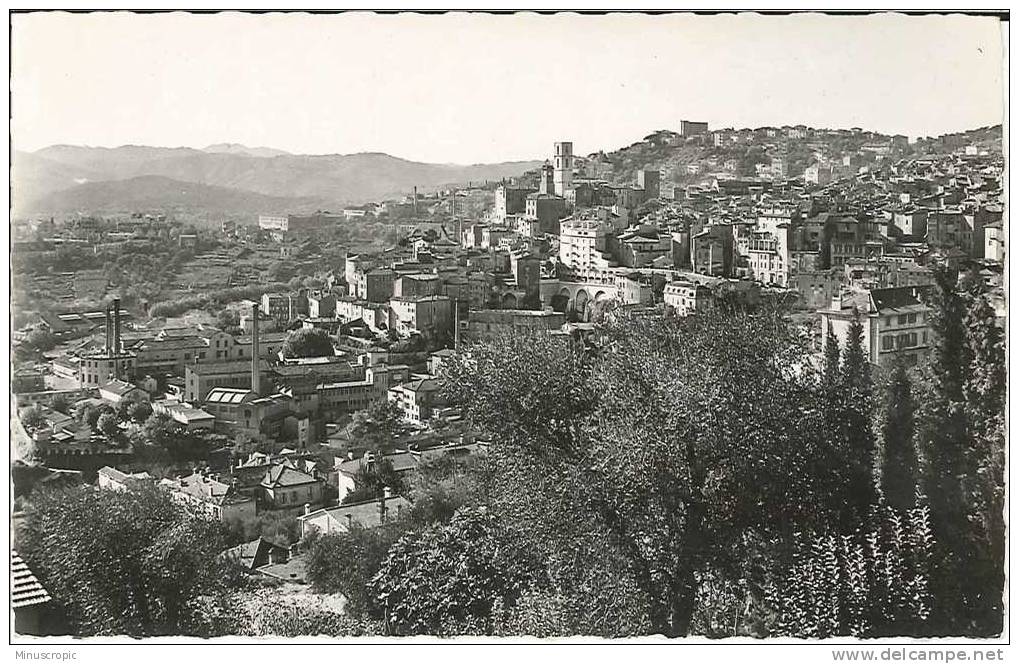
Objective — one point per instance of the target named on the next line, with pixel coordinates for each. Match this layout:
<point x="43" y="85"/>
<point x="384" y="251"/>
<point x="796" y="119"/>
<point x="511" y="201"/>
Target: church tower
<point x="563" y="167"/>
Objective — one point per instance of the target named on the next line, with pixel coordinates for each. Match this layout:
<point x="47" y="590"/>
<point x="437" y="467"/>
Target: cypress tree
<point x="830" y="367"/>
<point x="945" y="443"/>
<point x="856" y="389"/>
<point x="856" y="367"/>
<point x="898" y="471"/>
<point x="984" y="390"/>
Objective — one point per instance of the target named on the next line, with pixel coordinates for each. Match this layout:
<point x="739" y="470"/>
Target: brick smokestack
<point x="109" y="330"/>
<point x="256" y="376"/>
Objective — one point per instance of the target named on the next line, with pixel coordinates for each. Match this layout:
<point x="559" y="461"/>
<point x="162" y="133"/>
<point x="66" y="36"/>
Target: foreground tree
<point x="685" y="437"/>
<point x="127" y="563"/>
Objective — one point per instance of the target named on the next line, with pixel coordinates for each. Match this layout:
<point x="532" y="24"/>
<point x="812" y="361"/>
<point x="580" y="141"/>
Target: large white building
<point x="582" y="248"/>
<point x="768" y="258"/>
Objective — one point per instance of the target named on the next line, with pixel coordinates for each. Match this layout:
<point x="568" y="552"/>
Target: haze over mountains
<point x="223" y="177"/>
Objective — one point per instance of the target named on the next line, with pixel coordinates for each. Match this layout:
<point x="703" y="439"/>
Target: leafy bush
<point x="450" y="576"/>
<point x="346" y="562"/>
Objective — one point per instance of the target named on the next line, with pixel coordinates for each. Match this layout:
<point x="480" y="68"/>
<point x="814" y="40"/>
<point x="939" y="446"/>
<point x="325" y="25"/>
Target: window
<point x="902" y="319"/>
<point x="887" y="343"/>
<point x="912" y="318"/>
<point x="912" y="338"/>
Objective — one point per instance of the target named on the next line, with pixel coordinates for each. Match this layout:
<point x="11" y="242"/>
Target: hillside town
<point x="289" y="377"/>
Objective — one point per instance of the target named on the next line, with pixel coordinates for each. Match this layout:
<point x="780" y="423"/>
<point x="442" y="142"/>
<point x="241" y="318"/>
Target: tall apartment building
<point x="582" y="248"/>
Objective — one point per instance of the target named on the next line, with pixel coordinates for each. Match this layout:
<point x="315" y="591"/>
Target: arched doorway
<point x="580" y="300"/>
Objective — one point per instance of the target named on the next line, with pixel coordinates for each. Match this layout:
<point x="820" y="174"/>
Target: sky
<point x="471" y="88"/>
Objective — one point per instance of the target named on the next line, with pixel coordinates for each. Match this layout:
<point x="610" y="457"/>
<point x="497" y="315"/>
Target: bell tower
<point x="563" y="167"/>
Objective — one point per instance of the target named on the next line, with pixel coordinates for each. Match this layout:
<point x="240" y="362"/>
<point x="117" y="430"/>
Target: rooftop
<point x="228" y="395"/>
<point x="284" y="475"/>
<point x="229" y="366"/>
<point x="118" y="387"/>
<point x="263" y="337"/>
<point x="367" y="514"/>
<point x="25" y="588"/>
<point x="293" y="570"/>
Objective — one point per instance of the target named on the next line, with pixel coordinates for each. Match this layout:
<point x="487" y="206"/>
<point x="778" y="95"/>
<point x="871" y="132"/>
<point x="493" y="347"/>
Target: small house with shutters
<point x="284" y="486"/>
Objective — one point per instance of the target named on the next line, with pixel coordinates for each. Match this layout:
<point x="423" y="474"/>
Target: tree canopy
<point x="303" y="342"/>
<point x="126" y="563"/>
<point x="686" y="462"/>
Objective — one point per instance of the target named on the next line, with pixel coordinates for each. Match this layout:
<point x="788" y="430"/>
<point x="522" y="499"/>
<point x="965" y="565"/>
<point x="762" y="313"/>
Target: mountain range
<point x="223" y="177"/>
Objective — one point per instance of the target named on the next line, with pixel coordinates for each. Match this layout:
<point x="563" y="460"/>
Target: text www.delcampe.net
<point x="904" y="654"/>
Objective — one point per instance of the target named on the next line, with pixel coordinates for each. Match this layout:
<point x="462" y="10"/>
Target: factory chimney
<point x="256" y="377"/>
<point x="109" y="330"/>
<point x="415" y="201"/>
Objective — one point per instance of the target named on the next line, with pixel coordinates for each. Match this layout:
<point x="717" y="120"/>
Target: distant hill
<point x="339" y="179"/>
<point x="236" y="148"/>
<point x="154" y="192"/>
